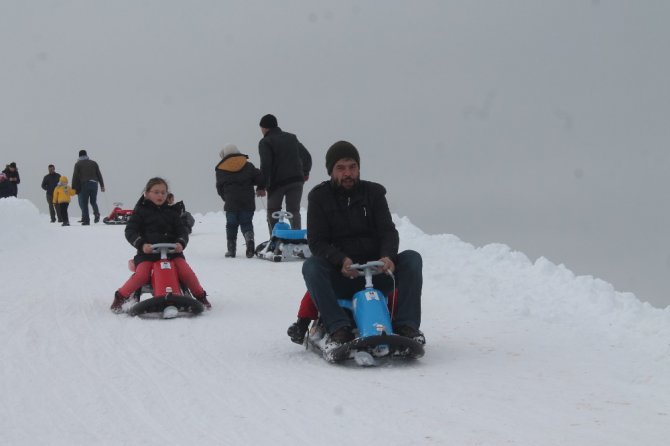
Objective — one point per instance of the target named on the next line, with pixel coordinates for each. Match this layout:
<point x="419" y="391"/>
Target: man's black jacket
<point x="355" y="224"/>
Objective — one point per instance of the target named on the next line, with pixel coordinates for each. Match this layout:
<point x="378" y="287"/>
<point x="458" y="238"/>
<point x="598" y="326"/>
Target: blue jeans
<point x="89" y="191"/>
<point x="326" y="284"/>
<point x="243" y="219"/>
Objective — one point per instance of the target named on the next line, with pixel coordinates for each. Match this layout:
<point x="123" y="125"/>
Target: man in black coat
<point x="348" y="221"/>
<point x="49" y="183"/>
<point x="13" y="180"/>
<point x="285" y="165"/>
<point x="85" y="180"/>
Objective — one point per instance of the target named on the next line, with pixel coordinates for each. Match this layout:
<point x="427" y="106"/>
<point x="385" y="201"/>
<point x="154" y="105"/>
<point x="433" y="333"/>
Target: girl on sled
<point x="154" y="221"/>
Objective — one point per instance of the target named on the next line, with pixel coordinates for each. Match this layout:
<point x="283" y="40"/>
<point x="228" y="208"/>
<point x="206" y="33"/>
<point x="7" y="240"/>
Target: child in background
<point x="61" y="198"/>
<point x="235" y="181"/>
<point x="154" y="221"/>
<point x="185" y="215"/>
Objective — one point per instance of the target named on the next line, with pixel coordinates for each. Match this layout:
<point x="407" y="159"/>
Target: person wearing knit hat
<point x="235" y="181"/>
<point x="228" y="149"/>
<point x="12" y="181"/>
<point x="85" y="180"/>
<point x="285" y="164"/>
<point x="268" y="122"/>
<point x="341" y="150"/>
<point x="349" y="221"/>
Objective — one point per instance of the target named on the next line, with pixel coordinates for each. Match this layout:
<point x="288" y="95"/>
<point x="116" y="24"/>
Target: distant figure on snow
<point x="49" y="183"/>
<point x="4" y="186"/>
<point x="85" y="181"/>
<point x="236" y="177"/>
<point x="13" y="179"/>
<point x="61" y="198"/>
<point x="285" y="164"/>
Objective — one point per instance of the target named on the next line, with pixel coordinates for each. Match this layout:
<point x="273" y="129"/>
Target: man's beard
<point x="346" y="184"/>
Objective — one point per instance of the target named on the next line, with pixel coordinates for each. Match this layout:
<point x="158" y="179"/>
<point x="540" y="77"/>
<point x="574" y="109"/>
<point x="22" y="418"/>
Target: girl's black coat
<point x="154" y="224"/>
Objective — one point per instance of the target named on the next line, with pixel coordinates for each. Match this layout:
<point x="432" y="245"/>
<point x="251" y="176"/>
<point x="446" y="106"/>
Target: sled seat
<point x="290" y="234"/>
<point x="147" y="288"/>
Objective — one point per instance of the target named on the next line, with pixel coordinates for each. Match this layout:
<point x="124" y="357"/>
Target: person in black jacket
<point x="348" y="221"/>
<point x="235" y="181"/>
<point x="154" y="221"/>
<point x="85" y="180"/>
<point x="285" y="165"/>
<point x="5" y="187"/>
<point x="49" y="183"/>
<point x="13" y="179"/>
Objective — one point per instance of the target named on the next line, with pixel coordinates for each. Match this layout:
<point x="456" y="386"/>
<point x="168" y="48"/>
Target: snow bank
<point x="496" y="278"/>
<point x="21" y="223"/>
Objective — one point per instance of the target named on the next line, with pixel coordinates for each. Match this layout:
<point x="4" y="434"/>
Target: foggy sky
<point x="541" y="125"/>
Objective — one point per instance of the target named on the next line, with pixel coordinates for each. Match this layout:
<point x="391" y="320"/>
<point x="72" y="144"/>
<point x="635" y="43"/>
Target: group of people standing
<point x="85" y="181"/>
<point x="9" y="181"/>
<point x="284" y="169"/>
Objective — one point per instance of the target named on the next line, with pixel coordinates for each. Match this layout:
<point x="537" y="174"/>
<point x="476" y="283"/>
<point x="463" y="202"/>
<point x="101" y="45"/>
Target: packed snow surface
<point x="519" y="352"/>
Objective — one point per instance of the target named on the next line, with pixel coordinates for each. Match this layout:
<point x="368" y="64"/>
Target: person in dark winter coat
<point x="154" y="221"/>
<point x="13" y="180"/>
<point x="348" y="221"/>
<point x="235" y="181"/>
<point x="285" y="164"/>
<point x="49" y="183"/>
<point x="85" y="180"/>
<point x="4" y="186"/>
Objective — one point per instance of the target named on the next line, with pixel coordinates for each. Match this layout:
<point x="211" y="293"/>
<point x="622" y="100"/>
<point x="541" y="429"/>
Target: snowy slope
<point x="518" y="352"/>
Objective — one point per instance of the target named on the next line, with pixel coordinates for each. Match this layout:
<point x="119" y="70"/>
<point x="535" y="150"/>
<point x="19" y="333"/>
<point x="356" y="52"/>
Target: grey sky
<point x="542" y="125"/>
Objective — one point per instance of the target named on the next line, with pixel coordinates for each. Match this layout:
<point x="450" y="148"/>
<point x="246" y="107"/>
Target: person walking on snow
<point x="49" y="183"/>
<point x="235" y="181"/>
<point x="285" y="165"/>
<point x="85" y="180"/>
<point x="61" y="198"/>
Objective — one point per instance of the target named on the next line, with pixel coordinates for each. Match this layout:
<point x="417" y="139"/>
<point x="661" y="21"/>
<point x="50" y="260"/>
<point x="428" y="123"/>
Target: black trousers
<point x="54" y="211"/>
<point x="62" y="207"/>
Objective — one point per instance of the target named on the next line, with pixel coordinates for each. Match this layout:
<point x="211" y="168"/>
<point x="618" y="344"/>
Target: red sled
<point x="169" y="298"/>
<point x="118" y="216"/>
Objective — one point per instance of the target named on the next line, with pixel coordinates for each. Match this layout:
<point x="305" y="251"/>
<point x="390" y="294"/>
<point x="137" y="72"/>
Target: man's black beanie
<point x="341" y="150"/>
<point x="268" y="122"/>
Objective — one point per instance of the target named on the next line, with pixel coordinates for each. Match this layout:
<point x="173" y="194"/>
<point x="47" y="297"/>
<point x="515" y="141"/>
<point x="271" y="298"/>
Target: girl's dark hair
<point x="154" y="181"/>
